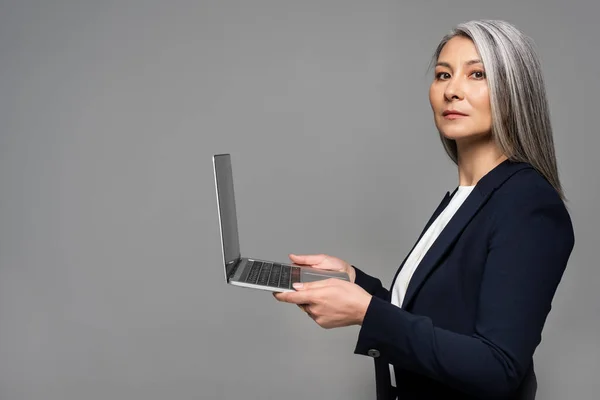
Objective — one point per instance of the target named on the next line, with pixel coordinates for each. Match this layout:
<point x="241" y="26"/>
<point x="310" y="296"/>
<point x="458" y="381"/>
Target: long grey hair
<point x="520" y="116"/>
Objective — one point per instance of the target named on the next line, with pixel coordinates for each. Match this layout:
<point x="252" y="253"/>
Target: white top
<point x="427" y="240"/>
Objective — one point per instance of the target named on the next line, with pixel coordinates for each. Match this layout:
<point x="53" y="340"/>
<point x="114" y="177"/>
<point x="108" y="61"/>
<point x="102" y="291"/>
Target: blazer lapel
<point x="457" y="224"/>
<point x="436" y="213"/>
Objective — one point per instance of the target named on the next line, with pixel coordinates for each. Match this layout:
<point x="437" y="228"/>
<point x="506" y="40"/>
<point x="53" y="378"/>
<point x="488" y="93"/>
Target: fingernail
<point x="297" y="285"/>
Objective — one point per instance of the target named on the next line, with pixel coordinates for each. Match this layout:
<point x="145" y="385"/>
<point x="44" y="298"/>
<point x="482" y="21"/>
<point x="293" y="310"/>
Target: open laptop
<point x="251" y="272"/>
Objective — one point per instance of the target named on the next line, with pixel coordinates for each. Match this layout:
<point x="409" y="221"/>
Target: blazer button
<point x="373" y="353"/>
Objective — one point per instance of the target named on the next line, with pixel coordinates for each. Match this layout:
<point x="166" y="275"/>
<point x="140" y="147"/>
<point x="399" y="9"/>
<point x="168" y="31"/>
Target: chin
<point x="455" y="135"/>
<point x="462" y="134"/>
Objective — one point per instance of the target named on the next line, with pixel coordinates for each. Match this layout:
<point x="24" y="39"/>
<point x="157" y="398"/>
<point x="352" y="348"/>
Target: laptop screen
<point x="227" y="214"/>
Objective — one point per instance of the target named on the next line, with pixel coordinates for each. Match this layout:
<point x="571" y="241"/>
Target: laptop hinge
<point x="233" y="268"/>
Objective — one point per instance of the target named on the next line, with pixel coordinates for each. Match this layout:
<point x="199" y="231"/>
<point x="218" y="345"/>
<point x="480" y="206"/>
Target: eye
<point x="442" y="76"/>
<point x="478" y="74"/>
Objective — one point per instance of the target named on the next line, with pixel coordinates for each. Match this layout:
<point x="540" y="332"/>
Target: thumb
<point x="314" y="284"/>
<point x="307" y="259"/>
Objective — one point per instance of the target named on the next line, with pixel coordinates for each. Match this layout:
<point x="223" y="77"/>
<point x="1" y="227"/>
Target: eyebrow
<point x="470" y="62"/>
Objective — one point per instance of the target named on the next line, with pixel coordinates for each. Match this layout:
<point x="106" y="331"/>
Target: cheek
<point x="431" y="96"/>
<point x="434" y="97"/>
<point x="481" y="100"/>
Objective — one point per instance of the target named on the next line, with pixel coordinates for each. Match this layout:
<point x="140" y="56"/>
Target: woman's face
<point x="459" y="93"/>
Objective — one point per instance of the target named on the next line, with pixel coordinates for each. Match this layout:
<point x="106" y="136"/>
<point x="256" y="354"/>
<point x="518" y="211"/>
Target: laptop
<point x="251" y="272"/>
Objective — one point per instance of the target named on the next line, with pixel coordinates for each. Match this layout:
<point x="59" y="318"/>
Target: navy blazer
<point x="476" y="305"/>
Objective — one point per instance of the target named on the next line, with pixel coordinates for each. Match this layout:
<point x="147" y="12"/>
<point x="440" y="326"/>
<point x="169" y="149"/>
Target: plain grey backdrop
<point x="111" y="284"/>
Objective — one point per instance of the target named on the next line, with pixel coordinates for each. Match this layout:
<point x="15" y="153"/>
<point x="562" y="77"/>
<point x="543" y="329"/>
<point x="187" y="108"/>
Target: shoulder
<point x="526" y="198"/>
<point x="526" y="188"/>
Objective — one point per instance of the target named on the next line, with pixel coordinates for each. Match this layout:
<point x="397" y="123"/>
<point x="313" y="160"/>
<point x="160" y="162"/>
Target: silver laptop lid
<point x="227" y="215"/>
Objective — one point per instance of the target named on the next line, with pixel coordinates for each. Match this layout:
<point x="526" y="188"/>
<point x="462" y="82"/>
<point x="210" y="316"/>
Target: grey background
<point x="110" y="111"/>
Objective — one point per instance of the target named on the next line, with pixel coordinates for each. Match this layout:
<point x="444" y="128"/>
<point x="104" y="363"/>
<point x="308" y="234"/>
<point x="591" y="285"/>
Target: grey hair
<point x="520" y="113"/>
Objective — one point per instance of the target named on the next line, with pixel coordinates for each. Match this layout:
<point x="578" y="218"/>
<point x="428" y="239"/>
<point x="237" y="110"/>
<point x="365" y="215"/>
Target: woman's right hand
<point x="323" y="261"/>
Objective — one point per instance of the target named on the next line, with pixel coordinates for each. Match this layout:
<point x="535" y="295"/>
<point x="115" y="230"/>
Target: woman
<point x="467" y="306"/>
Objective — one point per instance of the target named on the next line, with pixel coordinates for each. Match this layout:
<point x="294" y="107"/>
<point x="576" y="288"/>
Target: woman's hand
<point x="323" y="261"/>
<point x="331" y="303"/>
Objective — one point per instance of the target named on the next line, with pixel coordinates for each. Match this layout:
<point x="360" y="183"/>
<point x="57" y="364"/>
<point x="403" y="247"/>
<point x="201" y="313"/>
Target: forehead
<point x="457" y="50"/>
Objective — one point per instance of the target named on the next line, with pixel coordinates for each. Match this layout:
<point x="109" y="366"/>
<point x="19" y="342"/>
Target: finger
<point x="316" y="284"/>
<point x="296" y="297"/>
<point x="282" y="296"/>
<point x="307" y="311"/>
<point x="307" y="259"/>
<point x="304" y="307"/>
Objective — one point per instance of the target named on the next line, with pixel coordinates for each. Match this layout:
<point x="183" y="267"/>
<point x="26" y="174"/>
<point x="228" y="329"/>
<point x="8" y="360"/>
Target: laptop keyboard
<point x="273" y="274"/>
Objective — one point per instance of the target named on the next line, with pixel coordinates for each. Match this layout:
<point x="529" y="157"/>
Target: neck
<point x="477" y="157"/>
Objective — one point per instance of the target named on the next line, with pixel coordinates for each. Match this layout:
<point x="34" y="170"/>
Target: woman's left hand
<point x="331" y="303"/>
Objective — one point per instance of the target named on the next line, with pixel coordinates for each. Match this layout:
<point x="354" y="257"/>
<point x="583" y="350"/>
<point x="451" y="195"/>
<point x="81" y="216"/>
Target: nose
<point x="454" y="90"/>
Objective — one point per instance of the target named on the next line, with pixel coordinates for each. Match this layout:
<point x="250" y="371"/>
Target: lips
<point x="453" y="112"/>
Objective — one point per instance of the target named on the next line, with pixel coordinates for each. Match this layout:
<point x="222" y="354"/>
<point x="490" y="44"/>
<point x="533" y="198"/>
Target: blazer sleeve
<point x="527" y="254"/>
<point x="371" y="284"/>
